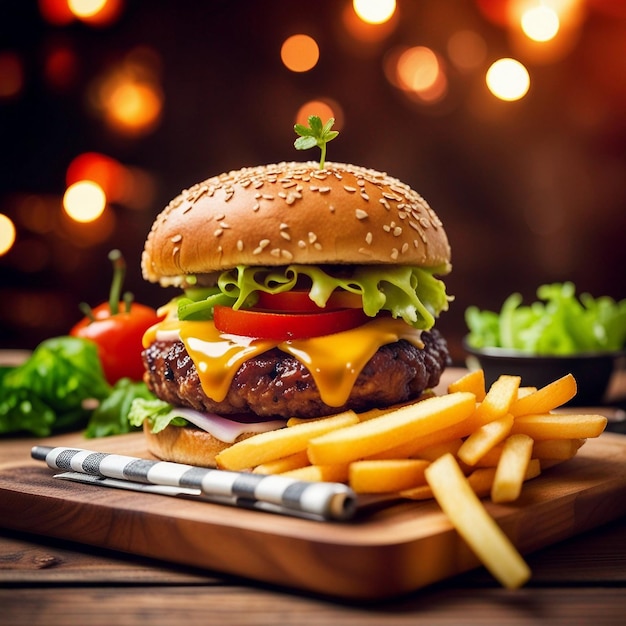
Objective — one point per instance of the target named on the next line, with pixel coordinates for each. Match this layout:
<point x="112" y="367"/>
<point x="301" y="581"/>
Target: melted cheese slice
<point x="335" y="361"/>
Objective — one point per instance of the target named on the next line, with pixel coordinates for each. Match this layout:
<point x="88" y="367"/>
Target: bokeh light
<point x="84" y="201"/>
<point x="300" y="53"/>
<point x="56" y="12"/>
<point x="467" y="50"/>
<point x="374" y="11"/>
<point x="419" y="72"/>
<point x="540" y="23"/>
<point x="96" y="12"/>
<point x="7" y="233"/>
<point x="128" y="96"/>
<point x="324" y="108"/>
<point x="508" y="79"/>
<point x="11" y="75"/>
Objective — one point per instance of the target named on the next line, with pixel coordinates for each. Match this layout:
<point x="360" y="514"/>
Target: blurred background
<point x="508" y="116"/>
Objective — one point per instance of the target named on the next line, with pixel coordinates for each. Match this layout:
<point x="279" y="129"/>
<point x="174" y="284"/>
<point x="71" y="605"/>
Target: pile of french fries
<point x="458" y="448"/>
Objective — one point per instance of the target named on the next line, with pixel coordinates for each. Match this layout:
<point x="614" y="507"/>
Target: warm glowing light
<point x="323" y="108"/>
<point x="60" y="66"/>
<point x="96" y="12"/>
<point x="540" y="23"/>
<point x="84" y="201"/>
<point x="374" y="11"/>
<point x="56" y="12"/>
<point x="105" y="171"/>
<point x="11" y="75"/>
<point x="7" y="234"/>
<point x="134" y="106"/>
<point x="417" y="68"/>
<point x="300" y="53"/>
<point x="129" y="96"/>
<point x="467" y="49"/>
<point x="508" y="79"/>
<point x="86" y="8"/>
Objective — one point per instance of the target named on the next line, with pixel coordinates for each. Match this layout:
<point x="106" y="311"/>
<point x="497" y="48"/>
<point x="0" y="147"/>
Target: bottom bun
<point x="186" y="444"/>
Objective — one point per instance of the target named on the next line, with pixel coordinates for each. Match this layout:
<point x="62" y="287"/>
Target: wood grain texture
<point x="384" y="552"/>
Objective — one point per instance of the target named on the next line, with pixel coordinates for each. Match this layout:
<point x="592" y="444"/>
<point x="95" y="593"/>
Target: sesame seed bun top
<point x="293" y="213"/>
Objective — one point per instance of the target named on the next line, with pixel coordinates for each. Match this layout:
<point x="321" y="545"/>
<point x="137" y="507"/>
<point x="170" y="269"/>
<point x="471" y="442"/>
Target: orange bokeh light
<point x="300" y="53"/>
<point x="324" y="109"/>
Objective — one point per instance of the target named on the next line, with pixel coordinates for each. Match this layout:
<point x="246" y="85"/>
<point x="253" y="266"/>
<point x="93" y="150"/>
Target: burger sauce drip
<point x="335" y="361"/>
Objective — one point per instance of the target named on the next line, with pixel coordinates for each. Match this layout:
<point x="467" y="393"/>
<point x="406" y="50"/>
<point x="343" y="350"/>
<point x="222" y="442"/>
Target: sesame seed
<point x="220" y="216"/>
<point x="394" y="253"/>
<point x="256" y="206"/>
<point x="361" y="214"/>
<point x="369" y="238"/>
<point x="324" y="189"/>
<point x="264" y="243"/>
<point x="312" y="237"/>
<point x="267" y="196"/>
<point x="387" y="228"/>
<point x="301" y="244"/>
<point x="397" y="231"/>
<point x="349" y="188"/>
<point x="176" y="238"/>
<point x="405" y="247"/>
<point x="239" y="245"/>
<point x="275" y="252"/>
<point x="317" y="245"/>
<point x="385" y="203"/>
<point x="218" y="232"/>
<point x="285" y="235"/>
<point x="364" y="196"/>
<point x="286" y="254"/>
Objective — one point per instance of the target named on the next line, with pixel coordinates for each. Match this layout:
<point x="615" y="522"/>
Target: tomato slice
<point x="299" y="301"/>
<point x="285" y="326"/>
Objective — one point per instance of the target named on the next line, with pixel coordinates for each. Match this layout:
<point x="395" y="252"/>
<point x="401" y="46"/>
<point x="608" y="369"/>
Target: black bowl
<point x="592" y="371"/>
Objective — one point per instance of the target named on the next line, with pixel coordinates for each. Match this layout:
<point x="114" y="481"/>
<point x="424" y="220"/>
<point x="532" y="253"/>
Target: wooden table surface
<point x="45" y="581"/>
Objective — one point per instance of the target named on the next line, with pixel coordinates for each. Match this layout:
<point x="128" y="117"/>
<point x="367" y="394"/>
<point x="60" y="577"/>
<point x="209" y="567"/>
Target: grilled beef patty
<point x="276" y="384"/>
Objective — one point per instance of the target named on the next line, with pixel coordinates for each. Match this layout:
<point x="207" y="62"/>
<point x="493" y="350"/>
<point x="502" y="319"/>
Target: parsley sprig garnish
<point x="315" y="134"/>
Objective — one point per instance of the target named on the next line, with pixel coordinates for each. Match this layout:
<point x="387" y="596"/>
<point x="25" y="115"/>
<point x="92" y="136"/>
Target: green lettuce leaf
<point x="413" y="294"/>
<point x="110" y="417"/>
<point x="50" y="390"/>
<point x="559" y="323"/>
<point x="158" y="413"/>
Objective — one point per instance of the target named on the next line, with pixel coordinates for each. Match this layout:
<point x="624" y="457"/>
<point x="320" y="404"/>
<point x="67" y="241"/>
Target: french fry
<point x="490" y="458"/>
<point x="501" y="394"/>
<point x="484" y="439"/>
<point x="320" y="473"/>
<point x="546" y="398"/>
<point x="511" y="469"/>
<point x="284" y="464"/>
<point x="481" y="479"/>
<point x="422" y="492"/>
<point x="387" y="475"/>
<point x="380" y="433"/>
<point x="472" y="521"/>
<point x="561" y="449"/>
<point x="276" y="444"/>
<point x="559" y="426"/>
<point x="473" y="381"/>
<point x="432" y="453"/>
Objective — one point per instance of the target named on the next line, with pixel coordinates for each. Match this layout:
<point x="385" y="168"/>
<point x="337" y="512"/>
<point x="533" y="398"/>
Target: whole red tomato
<point x="117" y="327"/>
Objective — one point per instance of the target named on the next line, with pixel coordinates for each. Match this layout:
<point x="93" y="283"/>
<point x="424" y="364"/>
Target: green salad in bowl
<point x="560" y="333"/>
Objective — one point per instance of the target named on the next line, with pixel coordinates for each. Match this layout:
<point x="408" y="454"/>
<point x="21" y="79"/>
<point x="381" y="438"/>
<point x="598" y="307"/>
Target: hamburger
<point x="304" y="292"/>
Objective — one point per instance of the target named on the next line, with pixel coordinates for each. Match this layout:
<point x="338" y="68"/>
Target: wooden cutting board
<point x="386" y="550"/>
